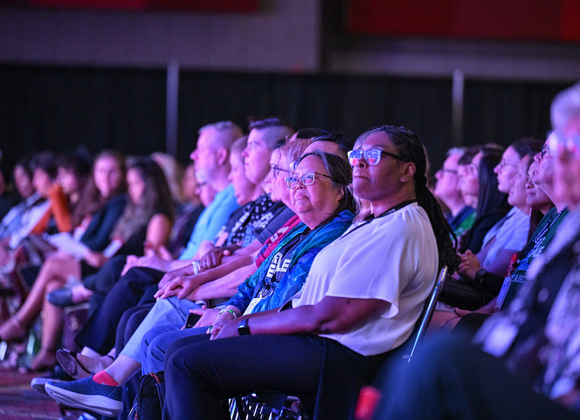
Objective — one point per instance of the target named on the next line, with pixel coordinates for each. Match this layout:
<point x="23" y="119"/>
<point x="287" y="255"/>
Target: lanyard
<point x="386" y="213"/>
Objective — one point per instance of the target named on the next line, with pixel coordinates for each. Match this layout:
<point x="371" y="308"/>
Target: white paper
<point x="65" y="242"/>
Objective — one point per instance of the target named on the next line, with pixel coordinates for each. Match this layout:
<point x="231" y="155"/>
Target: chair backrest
<point x="428" y="310"/>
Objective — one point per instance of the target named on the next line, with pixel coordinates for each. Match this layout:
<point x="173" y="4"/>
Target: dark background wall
<point x="60" y="108"/>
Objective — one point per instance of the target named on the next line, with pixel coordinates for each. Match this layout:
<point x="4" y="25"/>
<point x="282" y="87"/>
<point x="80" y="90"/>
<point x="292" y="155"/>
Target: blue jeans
<point x="157" y="341"/>
<point x="165" y="311"/>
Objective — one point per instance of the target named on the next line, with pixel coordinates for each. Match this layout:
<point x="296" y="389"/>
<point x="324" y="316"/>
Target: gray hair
<point x="228" y="132"/>
<point x="565" y="106"/>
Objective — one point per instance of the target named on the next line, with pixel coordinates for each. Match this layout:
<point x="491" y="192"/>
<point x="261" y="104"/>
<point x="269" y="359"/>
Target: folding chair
<point x="427" y="313"/>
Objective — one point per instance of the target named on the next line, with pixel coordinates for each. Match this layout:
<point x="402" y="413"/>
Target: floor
<point x="18" y="401"/>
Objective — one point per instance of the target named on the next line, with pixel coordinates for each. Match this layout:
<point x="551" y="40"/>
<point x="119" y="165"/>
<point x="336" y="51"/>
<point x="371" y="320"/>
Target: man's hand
<point x="208" y="316"/>
<point x="213" y="258"/>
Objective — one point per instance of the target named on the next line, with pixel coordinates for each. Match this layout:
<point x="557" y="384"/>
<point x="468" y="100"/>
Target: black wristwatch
<point x="243" y="328"/>
<point x="479" y="275"/>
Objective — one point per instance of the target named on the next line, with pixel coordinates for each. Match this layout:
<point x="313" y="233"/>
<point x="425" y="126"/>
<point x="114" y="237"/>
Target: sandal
<point x="68" y="361"/>
<point x="44" y="360"/>
<point x="13" y="330"/>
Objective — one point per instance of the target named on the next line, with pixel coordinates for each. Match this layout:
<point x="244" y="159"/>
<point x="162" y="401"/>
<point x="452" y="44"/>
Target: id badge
<point x="502" y="294"/>
<point x="500" y="339"/>
<point x="252" y="305"/>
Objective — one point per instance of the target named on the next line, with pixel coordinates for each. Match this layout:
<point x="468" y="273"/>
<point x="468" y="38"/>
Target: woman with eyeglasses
<point x="362" y="297"/>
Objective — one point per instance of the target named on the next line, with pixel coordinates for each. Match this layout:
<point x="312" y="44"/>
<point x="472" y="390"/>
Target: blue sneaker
<point x="88" y="395"/>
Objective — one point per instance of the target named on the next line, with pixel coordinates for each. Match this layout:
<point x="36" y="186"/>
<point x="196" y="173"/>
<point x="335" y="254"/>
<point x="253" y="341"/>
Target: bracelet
<point x="223" y="311"/>
<point x="195" y="265"/>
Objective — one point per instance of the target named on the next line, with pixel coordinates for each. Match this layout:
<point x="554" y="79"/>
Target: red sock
<point x="104" y="378"/>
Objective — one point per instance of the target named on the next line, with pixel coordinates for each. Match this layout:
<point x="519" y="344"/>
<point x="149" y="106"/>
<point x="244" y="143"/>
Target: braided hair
<point x="411" y="149"/>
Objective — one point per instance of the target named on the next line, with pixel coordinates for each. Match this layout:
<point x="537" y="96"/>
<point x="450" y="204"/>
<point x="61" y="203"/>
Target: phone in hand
<point x="190" y="321"/>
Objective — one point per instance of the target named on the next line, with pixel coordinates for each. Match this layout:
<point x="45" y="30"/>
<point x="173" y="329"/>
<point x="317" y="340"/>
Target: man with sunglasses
<point x="529" y="364"/>
<point x="460" y="216"/>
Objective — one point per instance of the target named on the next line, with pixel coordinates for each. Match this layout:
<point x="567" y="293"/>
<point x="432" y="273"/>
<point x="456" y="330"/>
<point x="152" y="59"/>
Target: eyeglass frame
<point x="502" y="163"/>
<point x="275" y="168"/>
<point x="364" y="152"/>
<point x="289" y="180"/>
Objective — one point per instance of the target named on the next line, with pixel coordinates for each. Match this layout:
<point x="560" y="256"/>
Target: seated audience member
<point x="74" y="170"/>
<point x="528" y="366"/>
<point x="98" y="213"/>
<point x="461" y="216"/>
<point x="22" y="174"/>
<point x="145" y="225"/>
<point x="265" y="136"/>
<point x="536" y="198"/>
<point x="53" y="214"/>
<point x="478" y="184"/>
<point x="321" y="200"/>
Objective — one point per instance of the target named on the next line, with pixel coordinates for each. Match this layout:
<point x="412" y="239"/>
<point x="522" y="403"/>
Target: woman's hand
<point x="224" y="328"/>
<point x="95" y="259"/>
<point x="469" y="265"/>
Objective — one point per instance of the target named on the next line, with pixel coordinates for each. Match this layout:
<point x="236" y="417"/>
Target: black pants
<point x="201" y="373"/>
<point x="450" y="378"/>
<point x="99" y="332"/>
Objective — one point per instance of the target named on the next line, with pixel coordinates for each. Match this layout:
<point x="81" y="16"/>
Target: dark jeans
<point x="200" y="373"/>
<point x="450" y="378"/>
<point x="130" y="321"/>
<point x="99" y="332"/>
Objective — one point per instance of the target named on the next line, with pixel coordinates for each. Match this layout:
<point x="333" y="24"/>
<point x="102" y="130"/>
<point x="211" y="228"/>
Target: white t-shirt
<point x="511" y="234"/>
<point x="392" y="258"/>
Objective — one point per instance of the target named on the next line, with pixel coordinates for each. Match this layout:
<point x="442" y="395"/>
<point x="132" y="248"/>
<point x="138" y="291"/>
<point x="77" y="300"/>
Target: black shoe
<point x="61" y="297"/>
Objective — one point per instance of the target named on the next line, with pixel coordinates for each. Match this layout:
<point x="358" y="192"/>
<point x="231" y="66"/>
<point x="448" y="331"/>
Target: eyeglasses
<point x="371" y="156"/>
<point x="544" y="151"/>
<point x="307" y="179"/>
<point x="557" y="139"/>
<point x="449" y="171"/>
<point x="503" y="164"/>
<point x="276" y="170"/>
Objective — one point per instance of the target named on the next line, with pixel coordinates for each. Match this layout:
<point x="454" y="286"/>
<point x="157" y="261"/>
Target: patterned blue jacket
<point x="302" y="258"/>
